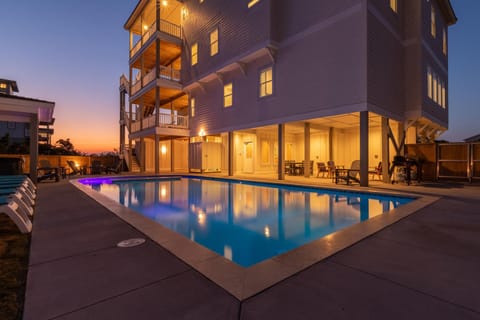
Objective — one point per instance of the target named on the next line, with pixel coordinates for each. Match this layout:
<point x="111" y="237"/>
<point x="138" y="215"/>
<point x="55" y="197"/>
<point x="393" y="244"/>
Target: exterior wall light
<point x="201" y="133"/>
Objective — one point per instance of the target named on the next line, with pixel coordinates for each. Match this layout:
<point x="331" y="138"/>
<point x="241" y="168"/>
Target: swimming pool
<point x="245" y="222"/>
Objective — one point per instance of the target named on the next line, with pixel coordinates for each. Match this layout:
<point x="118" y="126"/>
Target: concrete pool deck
<point x="425" y="265"/>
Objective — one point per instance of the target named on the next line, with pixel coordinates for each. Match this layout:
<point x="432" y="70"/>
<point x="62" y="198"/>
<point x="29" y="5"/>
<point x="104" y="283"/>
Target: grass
<point x="14" y="249"/>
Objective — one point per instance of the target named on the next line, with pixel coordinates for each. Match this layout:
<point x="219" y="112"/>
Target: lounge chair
<point x="116" y="169"/>
<point x="348" y="175"/>
<point x="321" y="168"/>
<point x="48" y="172"/>
<point x="16" y="211"/>
<point x="73" y="167"/>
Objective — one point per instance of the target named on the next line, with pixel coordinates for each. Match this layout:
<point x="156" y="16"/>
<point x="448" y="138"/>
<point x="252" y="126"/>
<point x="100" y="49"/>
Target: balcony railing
<point x="167" y="73"/>
<point x="166" y="120"/>
<point x="165" y="26"/>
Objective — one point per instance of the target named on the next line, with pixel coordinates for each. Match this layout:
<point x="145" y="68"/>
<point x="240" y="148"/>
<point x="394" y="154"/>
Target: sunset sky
<point x="73" y="52"/>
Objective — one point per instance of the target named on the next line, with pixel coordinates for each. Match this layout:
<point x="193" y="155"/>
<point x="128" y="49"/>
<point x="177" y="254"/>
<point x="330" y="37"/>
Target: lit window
<point x="439" y="91"/>
<point x="433" y="26"/>
<point x="435" y="87"/>
<point x="214" y="42"/>
<point x="251" y="3"/>
<point x="192" y="106"/>
<point x="444" y="42"/>
<point x="444" y="101"/>
<point x="429" y="82"/>
<point x="266" y="82"/>
<point x="194" y="54"/>
<point x="228" y="95"/>
<point x="3" y="86"/>
<point x="393" y="5"/>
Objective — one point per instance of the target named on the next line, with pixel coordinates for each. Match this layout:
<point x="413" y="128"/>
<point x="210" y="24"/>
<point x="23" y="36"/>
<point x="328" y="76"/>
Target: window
<point x="439" y="91"/>
<point x="266" y="82"/>
<point x="251" y="3"/>
<point x="435" y="87"/>
<point x="393" y="5"/>
<point x="228" y="95"/>
<point x="3" y="86"/>
<point x="194" y="54"/>
<point x="433" y="24"/>
<point x="192" y="107"/>
<point x="444" y="42"/>
<point x="214" y="42"/>
<point x="444" y="101"/>
<point x="429" y="82"/>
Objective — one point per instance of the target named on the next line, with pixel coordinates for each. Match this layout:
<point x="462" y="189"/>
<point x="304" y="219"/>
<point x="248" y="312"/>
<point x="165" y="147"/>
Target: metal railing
<point x="165" y="27"/>
<point x="166" y="120"/>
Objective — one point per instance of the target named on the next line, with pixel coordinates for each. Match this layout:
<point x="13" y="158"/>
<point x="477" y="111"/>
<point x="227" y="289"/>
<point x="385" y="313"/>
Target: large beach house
<point x="250" y="86"/>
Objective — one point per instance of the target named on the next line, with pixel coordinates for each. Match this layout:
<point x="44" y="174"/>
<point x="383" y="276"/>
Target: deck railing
<point x="166" y="120"/>
<point x="167" y="73"/>
<point x="165" y="27"/>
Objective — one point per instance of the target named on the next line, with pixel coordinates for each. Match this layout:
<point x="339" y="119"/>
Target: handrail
<point x="165" y="27"/>
<point x="166" y="120"/>
<point x="167" y="73"/>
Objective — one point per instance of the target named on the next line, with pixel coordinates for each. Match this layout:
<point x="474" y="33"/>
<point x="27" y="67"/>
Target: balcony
<point x="166" y="73"/>
<point x="166" y="120"/>
<point x="165" y="27"/>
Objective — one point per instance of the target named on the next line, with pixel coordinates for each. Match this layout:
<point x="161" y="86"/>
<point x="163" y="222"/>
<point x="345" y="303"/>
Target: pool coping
<point x="243" y="282"/>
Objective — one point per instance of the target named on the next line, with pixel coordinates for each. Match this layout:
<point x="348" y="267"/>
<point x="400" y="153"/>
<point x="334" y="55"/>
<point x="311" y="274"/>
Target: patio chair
<point x="48" y="172"/>
<point x="97" y="167"/>
<point x="377" y="171"/>
<point x="117" y="169"/>
<point x="17" y="212"/>
<point x="331" y="169"/>
<point x="348" y="175"/>
<point x="321" y="168"/>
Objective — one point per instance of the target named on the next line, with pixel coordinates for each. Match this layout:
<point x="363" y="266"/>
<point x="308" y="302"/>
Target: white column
<point x="33" y="147"/>
<point x="281" y="151"/>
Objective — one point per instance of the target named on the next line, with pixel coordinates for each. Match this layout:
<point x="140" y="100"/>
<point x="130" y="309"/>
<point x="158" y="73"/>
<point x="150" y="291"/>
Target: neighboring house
<point x="243" y="86"/>
<point x="475" y="138"/>
<point x="18" y="132"/>
<point x="22" y="117"/>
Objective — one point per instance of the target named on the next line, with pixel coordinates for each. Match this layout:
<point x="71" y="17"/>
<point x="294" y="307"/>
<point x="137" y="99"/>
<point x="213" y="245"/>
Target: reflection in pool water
<point x="245" y="222"/>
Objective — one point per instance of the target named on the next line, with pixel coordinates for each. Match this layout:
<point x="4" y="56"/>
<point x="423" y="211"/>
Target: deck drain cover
<point x="130" y="243"/>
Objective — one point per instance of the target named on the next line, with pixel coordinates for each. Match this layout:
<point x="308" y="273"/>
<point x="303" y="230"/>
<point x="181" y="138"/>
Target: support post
<point x="33" y="147"/>
<point x="364" y="148"/>
<point x="281" y="151"/>
<point x="306" y="149"/>
<point x="385" y="151"/>
<point x="230" y="153"/>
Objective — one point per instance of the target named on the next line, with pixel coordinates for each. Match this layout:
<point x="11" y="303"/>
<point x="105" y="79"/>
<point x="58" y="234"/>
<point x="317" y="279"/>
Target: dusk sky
<point x="72" y="52"/>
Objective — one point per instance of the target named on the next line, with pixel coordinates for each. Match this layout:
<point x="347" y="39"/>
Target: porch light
<point x="163" y="149"/>
<point x="164" y="3"/>
<point x="202" y="133"/>
<point x="145" y="27"/>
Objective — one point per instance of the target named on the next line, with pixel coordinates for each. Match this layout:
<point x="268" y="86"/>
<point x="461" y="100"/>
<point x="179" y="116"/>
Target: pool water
<point x="245" y="222"/>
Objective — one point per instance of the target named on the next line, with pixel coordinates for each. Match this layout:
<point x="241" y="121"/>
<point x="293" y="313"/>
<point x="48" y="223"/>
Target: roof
<point x="475" y="138"/>
<point x="448" y="12"/>
<point x="12" y="83"/>
<point x="20" y="109"/>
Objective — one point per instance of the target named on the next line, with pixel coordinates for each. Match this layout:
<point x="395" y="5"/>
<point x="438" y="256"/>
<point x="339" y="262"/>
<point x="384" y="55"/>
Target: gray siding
<point x="317" y="73"/>
<point x="241" y="30"/>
